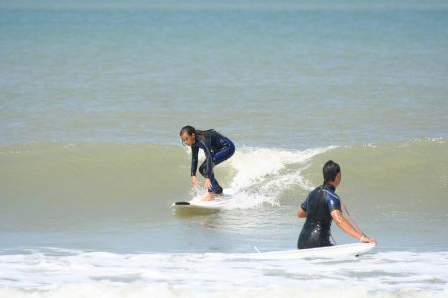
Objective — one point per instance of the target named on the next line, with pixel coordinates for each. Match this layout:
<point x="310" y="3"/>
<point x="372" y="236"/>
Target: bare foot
<point x="209" y="197"/>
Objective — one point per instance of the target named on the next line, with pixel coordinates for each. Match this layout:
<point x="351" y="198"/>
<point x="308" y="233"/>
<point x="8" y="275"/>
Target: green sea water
<point x="296" y="78"/>
<point x="92" y="97"/>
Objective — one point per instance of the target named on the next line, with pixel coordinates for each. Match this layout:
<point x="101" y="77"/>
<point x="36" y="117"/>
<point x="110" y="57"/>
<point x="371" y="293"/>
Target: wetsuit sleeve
<point x="333" y="202"/>
<point x="208" y="160"/>
<point x="305" y="203"/>
<point x="194" y="160"/>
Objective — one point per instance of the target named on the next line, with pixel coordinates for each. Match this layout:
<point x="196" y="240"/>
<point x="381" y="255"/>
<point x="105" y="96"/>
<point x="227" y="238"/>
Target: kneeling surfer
<point x="320" y="208"/>
<point x="217" y="148"/>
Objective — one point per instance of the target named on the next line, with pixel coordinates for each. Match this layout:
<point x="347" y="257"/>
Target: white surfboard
<point x="221" y="203"/>
<point x="353" y="249"/>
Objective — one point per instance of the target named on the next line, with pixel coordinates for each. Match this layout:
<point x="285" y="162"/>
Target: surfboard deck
<point x="353" y="249"/>
<point x="221" y="203"/>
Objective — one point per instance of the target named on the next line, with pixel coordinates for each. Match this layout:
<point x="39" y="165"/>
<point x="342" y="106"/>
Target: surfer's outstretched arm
<point x="195" y="181"/>
<point x="345" y="225"/>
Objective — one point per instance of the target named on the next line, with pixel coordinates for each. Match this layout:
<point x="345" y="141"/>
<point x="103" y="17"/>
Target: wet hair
<point x="191" y="130"/>
<point x="330" y="171"/>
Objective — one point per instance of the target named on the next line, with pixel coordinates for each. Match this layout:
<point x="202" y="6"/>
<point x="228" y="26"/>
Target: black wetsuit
<point x="318" y="206"/>
<point x="217" y="148"/>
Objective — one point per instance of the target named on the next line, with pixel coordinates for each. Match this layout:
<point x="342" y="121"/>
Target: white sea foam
<point x="57" y="273"/>
<point x="262" y="174"/>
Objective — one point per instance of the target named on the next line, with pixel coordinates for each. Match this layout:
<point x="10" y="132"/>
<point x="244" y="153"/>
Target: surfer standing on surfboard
<point x="217" y="148"/>
<point x="321" y="206"/>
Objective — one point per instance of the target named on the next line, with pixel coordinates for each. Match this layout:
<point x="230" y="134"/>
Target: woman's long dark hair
<point x="191" y="130"/>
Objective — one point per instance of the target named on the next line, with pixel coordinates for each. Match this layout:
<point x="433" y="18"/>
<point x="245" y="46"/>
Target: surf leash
<point x="352" y="220"/>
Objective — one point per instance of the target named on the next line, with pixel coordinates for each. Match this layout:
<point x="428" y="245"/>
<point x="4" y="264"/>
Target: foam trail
<point x="262" y="174"/>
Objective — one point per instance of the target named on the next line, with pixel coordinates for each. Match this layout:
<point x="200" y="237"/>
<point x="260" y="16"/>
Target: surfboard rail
<point x="352" y="249"/>
<point x="217" y="204"/>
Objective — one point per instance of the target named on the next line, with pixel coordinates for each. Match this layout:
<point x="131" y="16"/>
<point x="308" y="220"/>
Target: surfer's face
<point x="188" y="139"/>
<point x="337" y="180"/>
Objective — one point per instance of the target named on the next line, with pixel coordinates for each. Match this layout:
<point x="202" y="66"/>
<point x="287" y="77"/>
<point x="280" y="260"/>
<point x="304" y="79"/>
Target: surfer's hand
<point x="367" y="239"/>
<point x="195" y="182"/>
<point x="208" y="183"/>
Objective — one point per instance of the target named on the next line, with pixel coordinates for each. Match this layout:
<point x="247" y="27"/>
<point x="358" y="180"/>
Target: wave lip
<point x="262" y="174"/>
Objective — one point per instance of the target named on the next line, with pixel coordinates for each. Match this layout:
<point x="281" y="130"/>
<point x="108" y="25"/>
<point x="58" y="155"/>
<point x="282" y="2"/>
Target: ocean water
<point x="92" y="97"/>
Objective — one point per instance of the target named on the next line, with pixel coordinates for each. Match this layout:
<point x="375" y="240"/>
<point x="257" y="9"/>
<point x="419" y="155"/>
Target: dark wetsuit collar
<point x="329" y="187"/>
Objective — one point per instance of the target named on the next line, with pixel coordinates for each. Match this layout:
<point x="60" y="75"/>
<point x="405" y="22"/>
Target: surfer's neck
<point x="332" y="183"/>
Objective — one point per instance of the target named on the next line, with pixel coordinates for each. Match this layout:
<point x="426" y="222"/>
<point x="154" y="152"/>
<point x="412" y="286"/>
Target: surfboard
<point x="353" y="249"/>
<point x="221" y="203"/>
